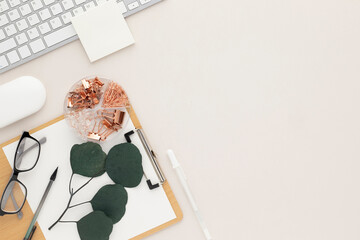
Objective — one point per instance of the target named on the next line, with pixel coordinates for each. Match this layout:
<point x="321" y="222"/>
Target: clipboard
<point x="11" y="228"/>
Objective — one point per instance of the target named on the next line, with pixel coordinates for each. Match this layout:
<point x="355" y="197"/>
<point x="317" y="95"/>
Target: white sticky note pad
<point x="102" y="30"/>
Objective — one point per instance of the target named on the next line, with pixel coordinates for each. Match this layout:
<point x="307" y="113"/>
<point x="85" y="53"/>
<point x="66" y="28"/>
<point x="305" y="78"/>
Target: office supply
<point x="102" y="31"/>
<point x="15" y="192"/>
<point x="182" y="178"/>
<point x="85" y="94"/>
<point x="20" y="98"/>
<point x="31" y="229"/>
<point x="32" y="232"/>
<point x="152" y="156"/>
<point x="31" y="29"/>
<point x="115" y="96"/>
<point x="147" y="211"/>
<point x="87" y="108"/>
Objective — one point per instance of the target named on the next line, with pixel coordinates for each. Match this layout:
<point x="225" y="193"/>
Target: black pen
<point x="33" y="221"/>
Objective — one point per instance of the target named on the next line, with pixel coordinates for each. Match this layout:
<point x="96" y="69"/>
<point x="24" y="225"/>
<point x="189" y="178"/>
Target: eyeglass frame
<point x="15" y="173"/>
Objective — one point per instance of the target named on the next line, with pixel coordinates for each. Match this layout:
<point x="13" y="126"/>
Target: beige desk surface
<point x="259" y="100"/>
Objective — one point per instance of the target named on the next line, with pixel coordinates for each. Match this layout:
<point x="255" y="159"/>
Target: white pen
<point x="182" y="178"/>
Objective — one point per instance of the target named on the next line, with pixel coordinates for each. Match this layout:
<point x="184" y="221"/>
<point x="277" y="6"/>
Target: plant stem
<point x="83" y="185"/>
<point x="67" y="207"/>
<point x="79" y="204"/>
<point x="70" y="190"/>
<point x="67" y="222"/>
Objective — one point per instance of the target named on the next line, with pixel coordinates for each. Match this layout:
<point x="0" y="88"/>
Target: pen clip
<point x="31" y="233"/>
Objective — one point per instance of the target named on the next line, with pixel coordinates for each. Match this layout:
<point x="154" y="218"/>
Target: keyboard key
<point x="36" y="4"/>
<point x="13" y="57"/>
<point x="78" y="2"/>
<point x="33" y="33"/>
<point x="59" y="36"/>
<point x="44" y="14"/>
<point x="13" y="15"/>
<point x="66" y="17"/>
<point x="24" y="51"/>
<point x="122" y="7"/>
<point x="10" y="30"/>
<point x="44" y="28"/>
<point x="67" y="4"/>
<point x="3" y="6"/>
<point x="144" y="1"/>
<point x="25" y="9"/>
<point x="22" y="24"/>
<point x="14" y="3"/>
<point x="78" y="11"/>
<point x="48" y="2"/>
<point x="89" y="5"/>
<point x="21" y="38"/>
<point x="3" y="20"/>
<point x="99" y="2"/>
<point x="37" y="46"/>
<point x="2" y="34"/>
<point x="33" y="19"/>
<point x="55" y="23"/>
<point x="56" y="9"/>
<point x="3" y="62"/>
<point x="133" y="5"/>
<point x="7" y="45"/>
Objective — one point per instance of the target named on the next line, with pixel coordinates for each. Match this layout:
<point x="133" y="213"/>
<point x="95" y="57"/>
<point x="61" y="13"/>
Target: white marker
<point x="182" y="178"/>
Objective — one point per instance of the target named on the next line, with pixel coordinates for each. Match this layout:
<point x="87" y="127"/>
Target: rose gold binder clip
<point x="115" y="116"/>
<point x="106" y="122"/>
<point x="94" y="136"/>
<point x="86" y="95"/>
<point x="85" y="83"/>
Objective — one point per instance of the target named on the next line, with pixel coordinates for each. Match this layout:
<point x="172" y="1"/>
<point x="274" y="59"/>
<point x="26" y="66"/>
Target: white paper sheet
<point x="145" y="209"/>
<point x="103" y="30"/>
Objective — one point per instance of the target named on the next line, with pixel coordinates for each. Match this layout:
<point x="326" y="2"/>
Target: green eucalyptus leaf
<point x="88" y="159"/>
<point x="124" y="165"/>
<point x="111" y="199"/>
<point x="95" y="226"/>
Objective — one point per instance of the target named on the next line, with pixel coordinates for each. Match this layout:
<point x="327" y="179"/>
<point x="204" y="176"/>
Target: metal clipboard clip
<point x="152" y="156"/>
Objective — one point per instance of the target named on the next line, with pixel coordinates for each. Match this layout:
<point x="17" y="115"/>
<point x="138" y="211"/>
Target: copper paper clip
<point x="115" y="96"/>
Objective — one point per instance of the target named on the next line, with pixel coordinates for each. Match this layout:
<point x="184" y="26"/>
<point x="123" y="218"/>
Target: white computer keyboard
<point x="31" y="28"/>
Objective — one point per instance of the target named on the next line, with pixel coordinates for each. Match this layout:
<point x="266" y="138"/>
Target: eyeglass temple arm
<point x="41" y="141"/>
<point x="19" y="214"/>
<point x="6" y="196"/>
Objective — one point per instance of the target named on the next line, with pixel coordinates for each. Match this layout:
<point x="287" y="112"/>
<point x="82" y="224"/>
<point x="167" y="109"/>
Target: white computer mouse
<point x="20" y="98"/>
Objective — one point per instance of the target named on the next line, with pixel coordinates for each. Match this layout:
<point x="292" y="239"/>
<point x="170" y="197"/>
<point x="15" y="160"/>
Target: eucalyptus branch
<point x="67" y="221"/>
<point x="72" y="193"/>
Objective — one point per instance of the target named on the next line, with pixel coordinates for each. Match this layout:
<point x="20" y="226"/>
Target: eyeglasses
<point x="26" y="157"/>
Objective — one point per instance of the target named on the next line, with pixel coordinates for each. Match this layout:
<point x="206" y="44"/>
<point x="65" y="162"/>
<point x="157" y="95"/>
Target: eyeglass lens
<point x="27" y="154"/>
<point x="14" y="197"/>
